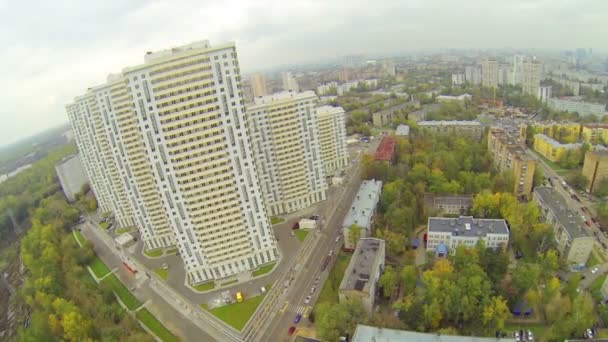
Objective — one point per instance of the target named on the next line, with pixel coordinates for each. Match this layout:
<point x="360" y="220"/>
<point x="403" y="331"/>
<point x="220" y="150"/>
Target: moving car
<point x="312" y="290"/>
<point x="291" y="330"/>
<point x="298" y="318"/>
<point x="337" y="238"/>
<point x="307" y="299"/>
<point x="317" y="279"/>
<point x="595" y="270"/>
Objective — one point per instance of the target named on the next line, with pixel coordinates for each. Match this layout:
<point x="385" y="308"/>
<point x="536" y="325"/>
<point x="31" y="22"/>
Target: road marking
<point x="284" y="307"/>
<point x="307" y="311"/>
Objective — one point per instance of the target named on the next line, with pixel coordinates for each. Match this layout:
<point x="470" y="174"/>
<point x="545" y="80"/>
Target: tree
<point x="577" y="180"/>
<point x="539" y="176"/>
<point x="495" y="314"/>
<point x="354" y="233"/>
<point x="335" y="320"/>
<point x="409" y="278"/>
<point x="602" y="213"/>
<point x="601" y="189"/>
<point x="526" y="276"/>
<point x="388" y="281"/>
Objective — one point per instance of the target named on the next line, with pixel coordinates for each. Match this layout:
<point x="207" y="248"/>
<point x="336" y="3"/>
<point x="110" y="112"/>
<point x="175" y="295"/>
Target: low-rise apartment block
<point x="449" y="98"/>
<point x="445" y="234"/>
<point x="595" y="168"/>
<point x="449" y="204"/>
<point x="471" y="129"/>
<point x="573" y="239"/>
<point x="362" y="211"/>
<point x="72" y="176"/>
<point x="363" y="272"/>
<point x="509" y="154"/>
<point x="594" y="134"/>
<point x="332" y="137"/>
<point x="284" y="132"/>
<point x="574" y="105"/>
<point x="551" y="148"/>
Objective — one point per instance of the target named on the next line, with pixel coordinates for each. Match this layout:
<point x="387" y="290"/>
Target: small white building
<point x="444" y="234"/>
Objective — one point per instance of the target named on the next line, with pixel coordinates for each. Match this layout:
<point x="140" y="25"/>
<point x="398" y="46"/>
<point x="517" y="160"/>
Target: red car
<point x="588" y="223"/>
<point x="291" y="330"/>
<point x="296" y="225"/>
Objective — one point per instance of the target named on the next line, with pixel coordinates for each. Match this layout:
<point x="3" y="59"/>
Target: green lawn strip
<point x="204" y="287"/>
<point x="171" y="251"/>
<point x="230" y="282"/>
<point x="263" y="270"/>
<point x="301" y="234"/>
<point x="122" y="292"/>
<point x="596" y="286"/>
<point x="123" y="230"/>
<point x="153" y="324"/>
<point x="538" y="329"/>
<point x="162" y="273"/>
<point x="79" y="236"/>
<point x="329" y="292"/>
<point x="99" y="268"/>
<point x="237" y="314"/>
<point x="276" y="220"/>
<point x="104" y="225"/>
<point x="155" y="253"/>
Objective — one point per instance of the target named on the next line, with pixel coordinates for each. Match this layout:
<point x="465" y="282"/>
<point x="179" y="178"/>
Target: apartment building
<point x="361" y="277"/>
<point x="575" y="105"/>
<point x="471" y="129"/>
<point x="289" y="82"/>
<point x="544" y="93"/>
<point x="166" y="142"/>
<point x="551" y="148"/>
<point x="445" y="234"/>
<point x="72" y="176"/>
<point x="531" y="77"/>
<point x="332" y="137"/>
<point x="458" y="79"/>
<point x="449" y="204"/>
<point x="509" y="154"/>
<point x="363" y="209"/>
<point x="284" y="132"/>
<point x="449" y="98"/>
<point x="489" y="73"/>
<point x="258" y="85"/>
<point x="594" y="134"/>
<point x="573" y="239"/>
<point x="472" y="74"/>
<point x="595" y="168"/>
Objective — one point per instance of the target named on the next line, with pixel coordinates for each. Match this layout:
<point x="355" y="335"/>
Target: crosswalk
<point x="297" y="309"/>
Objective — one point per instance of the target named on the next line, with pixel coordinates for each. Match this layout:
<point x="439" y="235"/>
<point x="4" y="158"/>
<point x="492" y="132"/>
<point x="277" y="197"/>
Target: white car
<point x="595" y="270"/>
<point x="312" y="290"/>
<point x="317" y="279"/>
<point x="337" y="238"/>
<point x="307" y="299"/>
<point x="589" y="333"/>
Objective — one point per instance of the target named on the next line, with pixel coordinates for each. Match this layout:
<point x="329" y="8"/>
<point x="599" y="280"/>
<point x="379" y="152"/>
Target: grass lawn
<point x="153" y="324"/>
<point x="205" y="286"/>
<point x="593" y="260"/>
<point x="171" y="251"/>
<point x="123" y="230"/>
<point x="155" y="253"/>
<point x="99" y="268"/>
<point x="163" y="273"/>
<point x="596" y="286"/>
<point x="79" y="236"/>
<point x="301" y="234"/>
<point x="263" y="270"/>
<point x="329" y="292"/>
<point x="122" y="292"/>
<point x="276" y="220"/>
<point x="104" y="225"/>
<point x="238" y="314"/>
<point x="538" y="329"/>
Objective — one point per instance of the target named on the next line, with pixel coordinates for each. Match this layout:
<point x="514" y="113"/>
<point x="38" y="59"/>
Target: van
<point x="239" y="297"/>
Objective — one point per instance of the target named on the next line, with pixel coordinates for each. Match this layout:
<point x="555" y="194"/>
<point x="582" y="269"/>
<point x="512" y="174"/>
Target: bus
<point x="239" y="297"/>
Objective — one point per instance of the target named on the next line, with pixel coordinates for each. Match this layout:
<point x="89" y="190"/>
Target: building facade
<point x="361" y="277"/>
<point x="577" y="106"/>
<point x="573" y="240"/>
<point x="72" y="176"/>
<point x="449" y="204"/>
<point x="532" y="70"/>
<point x="458" y="79"/>
<point x="289" y="82"/>
<point x="594" y="134"/>
<point x="595" y="168"/>
<point x="363" y="209"/>
<point x="465" y="230"/>
<point x="284" y="132"/>
<point x="258" y="85"/>
<point x="172" y="132"/>
<point x="509" y="154"/>
<point x="332" y="137"/>
<point x="544" y="93"/>
<point x="471" y="129"/>
<point x="551" y="148"/>
<point x="489" y="73"/>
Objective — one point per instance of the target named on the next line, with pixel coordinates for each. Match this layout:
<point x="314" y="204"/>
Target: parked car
<point x="595" y="270"/>
<point x="298" y="319"/>
<point x="529" y="336"/>
<point x="296" y="225"/>
<point x="588" y="334"/>
<point x="307" y="299"/>
<point x="291" y="330"/>
<point x="516" y="336"/>
<point x="312" y="290"/>
<point x="165" y="266"/>
<point x="314" y="217"/>
<point x="337" y="238"/>
<point x="317" y="279"/>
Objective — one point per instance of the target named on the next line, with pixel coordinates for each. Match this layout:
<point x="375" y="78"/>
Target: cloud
<point x="54" y="50"/>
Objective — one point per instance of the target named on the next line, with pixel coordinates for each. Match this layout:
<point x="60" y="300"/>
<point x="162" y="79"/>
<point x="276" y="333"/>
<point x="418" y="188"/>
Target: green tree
<point x="601" y="189"/>
<point x="577" y="180"/>
<point x="409" y="278"/>
<point x="495" y="314"/>
<point x="335" y="320"/>
<point x="388" y="281"/>
<point x="354" y="233"/>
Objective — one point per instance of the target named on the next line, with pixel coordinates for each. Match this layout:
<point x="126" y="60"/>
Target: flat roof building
<point x="576" y="105"/>
<point x="72" y="176"/>
<point x="362" y="210"/>
<point x="551" y="148"/>
<point x="386" y="149"/>
<point x="365" y="333"/>
<point x="595" y="168"/>
<point x="332" y="137"/>
<point x="361" y="276"/>
<point x="449" y="204"/>
<point x="573" y="239"/>
<point x="465" y="230"/>
<point x="471" y="129"/>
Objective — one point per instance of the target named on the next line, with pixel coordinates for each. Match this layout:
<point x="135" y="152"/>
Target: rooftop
<point x="329" y="110"/>
<point x="569" y="219"/>
<point x="283" y="96"/>
<point x="449" y="123"/>
<point x="362" y="265"/>
<point x="596" y="125"/>
<point x="364" y="204"/>
<point x="402" y="130"/>
<point x="435" y="200"/>
<point x="467" y="226"/>
<point x="67" y="158"/>
<point x="386" y="149"/>
<point x="556" y="143"/>
<point x="365" y="333"/>
<point x="454" y="98"/>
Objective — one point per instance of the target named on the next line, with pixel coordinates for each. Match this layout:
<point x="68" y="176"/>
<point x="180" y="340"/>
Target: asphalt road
<point x="276" y="328"/>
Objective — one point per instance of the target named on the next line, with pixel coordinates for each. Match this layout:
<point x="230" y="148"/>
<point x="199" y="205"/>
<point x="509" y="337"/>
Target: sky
<point x="54" y="50"/>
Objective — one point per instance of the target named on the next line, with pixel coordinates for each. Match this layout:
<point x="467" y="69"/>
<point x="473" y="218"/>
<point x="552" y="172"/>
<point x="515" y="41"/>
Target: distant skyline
<point x="54" y="51"/>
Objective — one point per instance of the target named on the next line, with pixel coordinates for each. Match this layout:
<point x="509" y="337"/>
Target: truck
<point x="308" y="223"/>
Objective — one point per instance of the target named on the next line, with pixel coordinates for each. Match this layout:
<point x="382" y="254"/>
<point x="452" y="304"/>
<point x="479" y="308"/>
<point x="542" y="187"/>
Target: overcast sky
<point x="53" y="50"/>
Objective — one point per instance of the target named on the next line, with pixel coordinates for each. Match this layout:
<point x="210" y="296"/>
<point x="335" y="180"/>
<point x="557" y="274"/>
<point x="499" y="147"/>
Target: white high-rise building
<point x="289" y="82"/>
<point x="258" y="85"/>
<point x="284" y="135"/>
<point x="544" y="93"/>
<point x="472" y="74"/>
<point x="71" y="176"/>
<point x="458" y="79"/>
<point x="517" y="74"/>
<point x="332" y="137"/>
<point x="531" y="76"/>
<point x="169" y="137"/>
<point x="489" y="73"/>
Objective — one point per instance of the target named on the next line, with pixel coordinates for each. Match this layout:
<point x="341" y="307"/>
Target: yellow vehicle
<point x="239" y="297"/>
